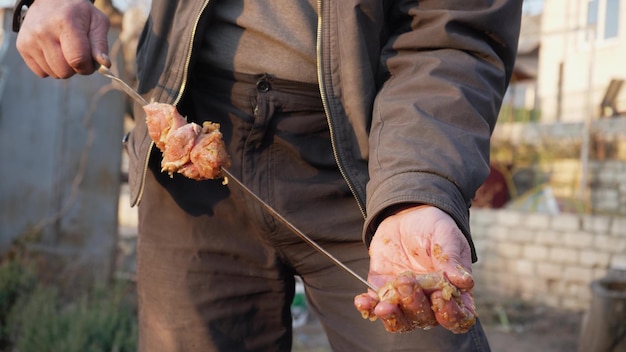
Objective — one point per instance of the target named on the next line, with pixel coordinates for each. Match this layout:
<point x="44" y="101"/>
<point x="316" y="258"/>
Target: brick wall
<point x="608" y="187"/>
<point x="547" y="259"/>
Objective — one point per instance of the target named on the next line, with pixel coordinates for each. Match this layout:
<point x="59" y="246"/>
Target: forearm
<point x="449" y="68"/>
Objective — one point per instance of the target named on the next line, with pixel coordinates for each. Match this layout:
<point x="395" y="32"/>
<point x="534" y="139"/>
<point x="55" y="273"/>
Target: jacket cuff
<point x="19" y="13"/>
<point x="392" y="195"/>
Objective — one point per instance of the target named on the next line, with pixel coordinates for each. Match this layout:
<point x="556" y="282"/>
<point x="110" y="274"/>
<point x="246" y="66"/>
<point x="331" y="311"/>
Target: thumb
<point x="102" y="59"/>
<point x="98" y="30"/>
<point x="459" y="275"/>
<point x="451" y="254"/>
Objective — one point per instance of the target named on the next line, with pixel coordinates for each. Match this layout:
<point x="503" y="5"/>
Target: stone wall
<point x="546" y="259"/>
<point x="608" y="187"/>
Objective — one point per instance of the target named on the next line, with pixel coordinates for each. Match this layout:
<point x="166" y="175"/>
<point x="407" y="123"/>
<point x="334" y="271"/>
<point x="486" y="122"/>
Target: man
<point x="341" y="114"/>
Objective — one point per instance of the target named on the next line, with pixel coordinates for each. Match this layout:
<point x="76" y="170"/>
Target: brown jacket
<point x="412" y="91"/>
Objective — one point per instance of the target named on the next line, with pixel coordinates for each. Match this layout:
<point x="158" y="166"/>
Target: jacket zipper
<point x="178" y="98"/>
<point x="322" y="93"/>
<point x="322" y="88"/>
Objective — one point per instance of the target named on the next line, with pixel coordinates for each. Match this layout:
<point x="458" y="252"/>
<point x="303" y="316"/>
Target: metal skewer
<point x="103" y="70"/>
<point x="295" y="230"/>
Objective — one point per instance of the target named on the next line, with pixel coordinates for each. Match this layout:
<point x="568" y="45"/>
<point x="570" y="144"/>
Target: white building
<point x="583" y="50"/>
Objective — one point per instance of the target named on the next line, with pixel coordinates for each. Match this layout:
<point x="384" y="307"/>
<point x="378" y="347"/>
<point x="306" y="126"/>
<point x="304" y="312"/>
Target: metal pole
<point x="586" y="137"/>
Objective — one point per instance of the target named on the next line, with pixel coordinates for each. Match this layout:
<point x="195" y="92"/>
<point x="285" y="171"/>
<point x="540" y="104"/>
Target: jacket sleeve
<point x="449" y="64"/>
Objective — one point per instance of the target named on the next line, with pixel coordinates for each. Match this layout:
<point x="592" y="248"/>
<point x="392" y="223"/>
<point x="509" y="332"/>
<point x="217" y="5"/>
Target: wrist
<point x="19" y="12"/>
<point x="385" y="213"/>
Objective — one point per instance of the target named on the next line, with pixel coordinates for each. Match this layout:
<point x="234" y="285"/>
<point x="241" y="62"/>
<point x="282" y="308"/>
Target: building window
<point x="592" y="12"/>
<point x="611" y="23"/>
<point x="603" y="16"/>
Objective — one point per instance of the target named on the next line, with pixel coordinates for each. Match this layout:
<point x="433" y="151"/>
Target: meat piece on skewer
<point x="161" y="120"/>
<point x="208" y="155"/>
<point x="197" y="152"/>
<point x="180" y="142"/>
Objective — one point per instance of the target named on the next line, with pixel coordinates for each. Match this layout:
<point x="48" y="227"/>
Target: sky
<point x="532" y="7"/>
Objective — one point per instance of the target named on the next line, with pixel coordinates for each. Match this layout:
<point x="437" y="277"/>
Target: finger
<point x="392" y="317"/>
<point x="98" y="40"/>
<point x="404" y="305"/>
<point x="42" y="45"/>
<point x="454" y="259"/>
<point x="457" y="314"/>
<point x="34" y="66"/>
<point x="77" y="51"/>
<point x="460" y="276"/>
<point x="365" y="304"/>
<point x="32" y="54"/>
<point x="53" y="60"/>
<point x="416" y="306"/>
<point x="103" y="59"/>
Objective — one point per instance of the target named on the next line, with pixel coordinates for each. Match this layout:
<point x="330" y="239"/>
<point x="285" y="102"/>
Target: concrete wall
<point x="547" y="259"/>
<point x="60" y="151"/>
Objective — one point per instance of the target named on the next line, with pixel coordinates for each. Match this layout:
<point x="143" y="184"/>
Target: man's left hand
<point x="421" y="263"/>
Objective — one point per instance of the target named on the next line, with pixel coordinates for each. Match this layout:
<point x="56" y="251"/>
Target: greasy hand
<point x="60" y="38"/>
<point x="421" y="263"/>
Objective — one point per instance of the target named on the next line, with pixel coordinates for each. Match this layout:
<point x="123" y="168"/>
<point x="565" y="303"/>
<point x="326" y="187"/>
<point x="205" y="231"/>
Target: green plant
<point x="100" y="321"/>
<point x="35" y="317"/>
<point x="509" y="113"/>
<point x="15" y="281"/>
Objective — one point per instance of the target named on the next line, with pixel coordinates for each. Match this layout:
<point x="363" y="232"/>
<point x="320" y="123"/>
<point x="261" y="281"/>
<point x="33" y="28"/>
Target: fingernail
<point x="465" y="273"/>
<point x="405" y="290"/>
<point x="104" y="59"/>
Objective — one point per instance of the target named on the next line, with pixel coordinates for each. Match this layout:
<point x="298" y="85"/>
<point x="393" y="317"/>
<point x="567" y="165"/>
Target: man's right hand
<point x="59" y="38"/>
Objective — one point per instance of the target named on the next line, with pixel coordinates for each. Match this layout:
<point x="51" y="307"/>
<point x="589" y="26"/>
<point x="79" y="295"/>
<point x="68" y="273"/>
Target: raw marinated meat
<point x="178" y="147"/>
<point x="208" y="155"/>
<point x="197" y="152"/>
<point x="161" y="120"/>
<point x="438" y="302"/>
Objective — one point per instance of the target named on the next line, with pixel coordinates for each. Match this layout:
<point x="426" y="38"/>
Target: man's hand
<point x="60" y="38"/>
<point x="421" y="263"/>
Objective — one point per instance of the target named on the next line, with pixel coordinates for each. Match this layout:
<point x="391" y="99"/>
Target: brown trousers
<point x="216" y="272"/>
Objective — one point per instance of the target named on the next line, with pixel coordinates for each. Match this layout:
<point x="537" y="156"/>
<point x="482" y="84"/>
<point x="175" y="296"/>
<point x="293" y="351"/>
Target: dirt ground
<point x="510" y="327"/>
<point x="518" y="327"/>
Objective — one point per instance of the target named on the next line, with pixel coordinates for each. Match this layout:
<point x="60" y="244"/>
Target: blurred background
<point x="549" y="223"/>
